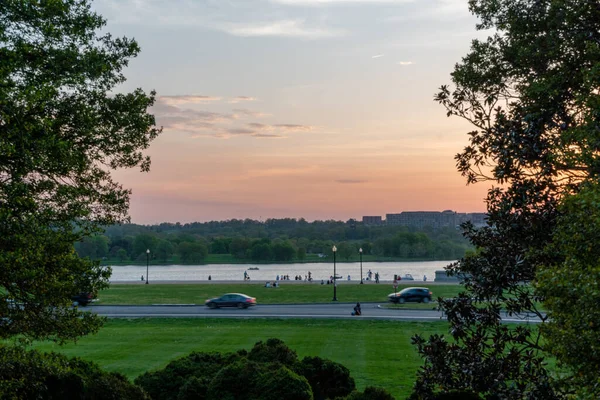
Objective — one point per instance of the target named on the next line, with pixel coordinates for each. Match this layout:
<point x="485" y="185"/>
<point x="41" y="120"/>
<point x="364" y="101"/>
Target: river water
<point x="269" y="272"/>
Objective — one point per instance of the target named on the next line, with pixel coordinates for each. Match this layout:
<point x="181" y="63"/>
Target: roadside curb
<point x="367" y="303"/>
<point x="201" y="305"/>
<point x="405" y="309"/>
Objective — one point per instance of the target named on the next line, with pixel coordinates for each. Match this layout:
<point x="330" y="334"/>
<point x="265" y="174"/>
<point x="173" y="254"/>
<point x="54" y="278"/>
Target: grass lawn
<point x="377" y="353"/>
<point x="138" y="294"/>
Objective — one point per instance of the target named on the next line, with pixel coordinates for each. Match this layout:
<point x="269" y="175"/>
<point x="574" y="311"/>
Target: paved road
<point x="334" y="310"/>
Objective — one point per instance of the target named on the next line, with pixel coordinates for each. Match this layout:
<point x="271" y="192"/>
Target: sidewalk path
<point x="290" y="282"/>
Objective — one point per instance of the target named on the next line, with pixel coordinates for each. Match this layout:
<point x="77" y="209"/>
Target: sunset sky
<point x="321" y="109"/>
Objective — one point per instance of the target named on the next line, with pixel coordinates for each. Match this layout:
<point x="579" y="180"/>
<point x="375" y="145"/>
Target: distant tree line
<point x="275" y="240"/>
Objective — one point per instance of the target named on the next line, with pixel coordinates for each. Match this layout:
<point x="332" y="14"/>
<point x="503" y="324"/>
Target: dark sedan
<point x="411" y="294"/>
<point x="238" y="300"/>
<point x="82" y="299"/>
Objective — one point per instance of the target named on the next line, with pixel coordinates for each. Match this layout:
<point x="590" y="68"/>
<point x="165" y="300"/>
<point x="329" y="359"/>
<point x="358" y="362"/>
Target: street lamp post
<point x="147" y="264"/>
<point x="360" y="253"/>
<point x="334" y="275"/>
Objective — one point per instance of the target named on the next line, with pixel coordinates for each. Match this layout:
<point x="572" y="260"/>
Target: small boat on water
<point x="253" y="268"/>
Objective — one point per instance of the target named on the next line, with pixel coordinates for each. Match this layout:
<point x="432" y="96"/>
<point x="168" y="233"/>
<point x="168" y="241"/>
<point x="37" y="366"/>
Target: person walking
<point x="245" y="275"/>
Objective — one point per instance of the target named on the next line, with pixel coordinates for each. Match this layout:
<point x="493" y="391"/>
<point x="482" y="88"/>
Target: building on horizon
<point x="477" y="219"/>
<point x="372" y="220"/>
<point x="433" y="219"/>
<point x="421" y="219"/>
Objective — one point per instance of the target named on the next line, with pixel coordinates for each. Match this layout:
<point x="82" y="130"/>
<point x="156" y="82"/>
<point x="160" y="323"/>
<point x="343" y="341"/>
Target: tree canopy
<point x="34" y="375"/>
<point x="572" y="295"/>
<point x="63" y="129"/>
<point x="531" y="93"/>
<point x="270" y="370"/>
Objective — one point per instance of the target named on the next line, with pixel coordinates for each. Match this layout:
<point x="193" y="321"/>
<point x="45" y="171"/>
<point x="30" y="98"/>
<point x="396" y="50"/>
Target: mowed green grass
<point x="377" y="353"/>
<point x="140" y="294"/>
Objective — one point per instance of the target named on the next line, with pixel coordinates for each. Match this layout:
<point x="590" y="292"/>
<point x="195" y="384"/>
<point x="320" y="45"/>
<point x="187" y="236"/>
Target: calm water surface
<point x="269" y="272"/>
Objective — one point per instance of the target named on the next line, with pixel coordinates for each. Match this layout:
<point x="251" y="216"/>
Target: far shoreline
<point x="247" y="262"/>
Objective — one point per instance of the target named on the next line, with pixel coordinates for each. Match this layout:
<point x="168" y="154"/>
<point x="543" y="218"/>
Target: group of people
<point x="307" y="277"/>
<point x="370" y="276"/>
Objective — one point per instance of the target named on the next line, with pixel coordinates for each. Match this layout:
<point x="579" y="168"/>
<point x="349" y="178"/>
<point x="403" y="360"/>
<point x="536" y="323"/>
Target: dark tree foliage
<point x="328" y="379"/>
<point x="61" y="134"/>
<point x="189" y="374"/>
<point x="261" y="252"/>
<point x="192" y="252"/>
<point x="273" y="350"/>
<point x="250" y="380"/>
<point x="270" y="370"/>
<point x="194" y="389"/>
<point x="35" y="375"/>
<point x="531" y="92"/>
<point x="572" y="293"/>
<point x="283" y="251"/>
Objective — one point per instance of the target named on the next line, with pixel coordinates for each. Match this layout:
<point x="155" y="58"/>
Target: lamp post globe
<point x="147" y="264"/>
<point x="360" y="253"/>
<point x="334" y="249"/>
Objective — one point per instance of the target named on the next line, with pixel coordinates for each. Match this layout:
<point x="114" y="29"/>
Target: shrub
<point x="165" y="384"/>
<point x="194" y="389"/>
<point x="274" y="350"/>
<point x="250" y="380"/>
<point x="328" y="379"/>
<point x="34" y="375"/>
<point x="270" y="370"/>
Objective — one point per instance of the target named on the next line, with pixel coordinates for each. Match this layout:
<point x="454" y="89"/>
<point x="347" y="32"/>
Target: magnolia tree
<point x="531" y="93"/>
